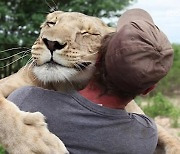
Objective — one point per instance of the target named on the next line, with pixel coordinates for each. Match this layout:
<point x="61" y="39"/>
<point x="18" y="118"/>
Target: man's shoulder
<point x="143" y="120"/>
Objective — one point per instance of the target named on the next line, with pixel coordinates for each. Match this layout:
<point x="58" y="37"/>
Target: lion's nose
<point x="53" y="45"/>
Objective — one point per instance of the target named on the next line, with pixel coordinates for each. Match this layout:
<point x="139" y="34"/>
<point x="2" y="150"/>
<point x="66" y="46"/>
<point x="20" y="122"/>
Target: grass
<point x="159" y="105"/>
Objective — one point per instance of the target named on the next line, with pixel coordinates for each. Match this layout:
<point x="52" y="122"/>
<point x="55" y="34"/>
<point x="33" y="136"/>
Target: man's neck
<point x="93" y="92"/>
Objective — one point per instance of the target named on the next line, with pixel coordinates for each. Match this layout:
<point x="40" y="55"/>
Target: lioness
<point x="64" y="57"/>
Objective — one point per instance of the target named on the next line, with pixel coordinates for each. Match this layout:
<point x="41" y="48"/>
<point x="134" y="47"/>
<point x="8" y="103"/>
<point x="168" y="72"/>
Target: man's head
<point x="138" y="55"/>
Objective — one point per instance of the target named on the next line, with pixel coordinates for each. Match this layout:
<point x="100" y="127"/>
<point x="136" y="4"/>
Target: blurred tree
<point x="20" y="21"/>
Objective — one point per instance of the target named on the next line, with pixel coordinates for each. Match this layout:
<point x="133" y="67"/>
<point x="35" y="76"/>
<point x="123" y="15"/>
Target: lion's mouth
<point x="78" y="66"/>
<point x="52" y="63"/>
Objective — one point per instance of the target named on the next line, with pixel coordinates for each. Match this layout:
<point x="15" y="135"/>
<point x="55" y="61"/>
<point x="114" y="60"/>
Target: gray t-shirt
<point x="87" y="128"/>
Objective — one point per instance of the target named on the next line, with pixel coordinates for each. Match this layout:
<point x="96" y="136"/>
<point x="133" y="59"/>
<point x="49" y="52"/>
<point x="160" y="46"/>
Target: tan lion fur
<point x="81" y="36"/>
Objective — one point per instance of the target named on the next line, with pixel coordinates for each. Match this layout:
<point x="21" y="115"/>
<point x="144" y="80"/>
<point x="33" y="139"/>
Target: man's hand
<point x="26" y="133"/>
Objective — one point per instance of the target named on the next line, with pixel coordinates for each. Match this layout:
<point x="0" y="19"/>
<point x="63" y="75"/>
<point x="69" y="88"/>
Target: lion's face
<point x="67" y="47"/>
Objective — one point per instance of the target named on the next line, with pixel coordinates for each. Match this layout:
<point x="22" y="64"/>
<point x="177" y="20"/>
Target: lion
<point x="64" y="57"/>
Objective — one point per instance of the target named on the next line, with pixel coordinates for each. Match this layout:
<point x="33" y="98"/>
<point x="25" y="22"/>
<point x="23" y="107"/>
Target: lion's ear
<point x="51" y="17"/>
<point x="58" y="12"/>
<point x="43" y="24"/>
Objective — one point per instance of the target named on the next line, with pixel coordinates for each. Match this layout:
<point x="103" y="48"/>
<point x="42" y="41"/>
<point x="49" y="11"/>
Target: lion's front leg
<point x="168" y="142"/>
<point x="26" y="133"/>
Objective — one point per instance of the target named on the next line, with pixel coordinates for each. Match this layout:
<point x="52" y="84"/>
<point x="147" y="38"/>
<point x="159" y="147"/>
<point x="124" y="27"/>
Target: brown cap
<point x="139" y="54"/>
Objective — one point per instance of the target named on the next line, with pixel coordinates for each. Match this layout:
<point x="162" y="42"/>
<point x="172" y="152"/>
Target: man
<point x="93" y="120"/>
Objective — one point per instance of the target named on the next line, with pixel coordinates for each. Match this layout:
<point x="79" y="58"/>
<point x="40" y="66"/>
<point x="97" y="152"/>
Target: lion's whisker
<point x="51" y="8"/>
<point x="15" y="54"/>
<point x="26" y="52"/>
<point x="82" y="64"/>
<point x="28" y="69"/>
<point x="14" y="61"/>
<point x="14" y="49"/>
<point x="29" y="61"/>
<point x="30" y="65"/>
<point x="55" y="6"/>
<point x="34" y="76"/>
<point x="77" y="66"/>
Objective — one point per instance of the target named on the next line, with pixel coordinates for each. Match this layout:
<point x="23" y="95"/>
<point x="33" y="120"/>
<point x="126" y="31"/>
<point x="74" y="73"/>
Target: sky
<point x="166" y="15"/>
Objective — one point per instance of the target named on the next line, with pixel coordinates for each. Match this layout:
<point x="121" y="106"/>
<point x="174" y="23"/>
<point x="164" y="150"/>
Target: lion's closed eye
<point x="84" y="32"/>
<point x="50" y="23"/>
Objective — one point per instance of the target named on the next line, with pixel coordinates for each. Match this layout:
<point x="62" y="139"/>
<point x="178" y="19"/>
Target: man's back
<point x="87" y="128"/>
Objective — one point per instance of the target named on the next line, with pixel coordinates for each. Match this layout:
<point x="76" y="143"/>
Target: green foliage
<point x="95" y="7"/>
<point x="2" y="150"/>
<point x="159" y="105"/>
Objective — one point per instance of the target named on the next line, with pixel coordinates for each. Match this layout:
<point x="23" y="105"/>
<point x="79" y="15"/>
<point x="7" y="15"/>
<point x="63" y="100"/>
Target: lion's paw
<point x="35" y="119"/>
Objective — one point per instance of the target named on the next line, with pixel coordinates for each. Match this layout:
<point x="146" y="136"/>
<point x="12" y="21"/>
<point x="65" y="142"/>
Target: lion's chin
<point x="47" y="74"/>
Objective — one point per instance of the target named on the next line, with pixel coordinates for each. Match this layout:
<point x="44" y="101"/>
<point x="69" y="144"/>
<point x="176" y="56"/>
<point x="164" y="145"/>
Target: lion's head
<point x="67" y="47"/>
